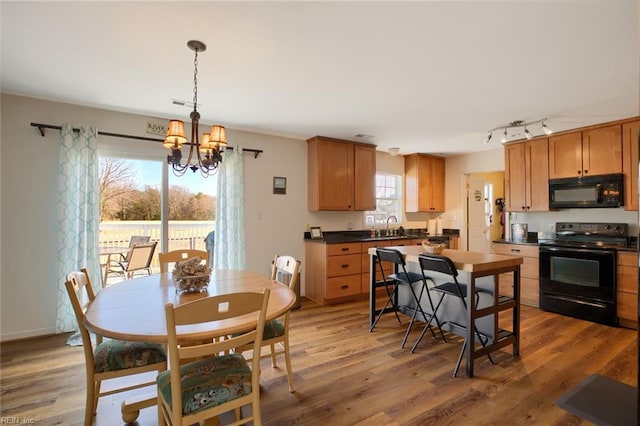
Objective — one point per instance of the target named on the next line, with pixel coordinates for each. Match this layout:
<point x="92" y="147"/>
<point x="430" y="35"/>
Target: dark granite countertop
<point x="338" y="237"/>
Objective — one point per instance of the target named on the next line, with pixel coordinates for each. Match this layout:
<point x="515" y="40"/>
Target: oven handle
<point x="572" y="300"/>
<point x="576" y="250"/>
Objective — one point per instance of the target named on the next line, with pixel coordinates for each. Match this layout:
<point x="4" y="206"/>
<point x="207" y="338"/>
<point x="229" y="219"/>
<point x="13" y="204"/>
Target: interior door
<point x="478" y="215"/>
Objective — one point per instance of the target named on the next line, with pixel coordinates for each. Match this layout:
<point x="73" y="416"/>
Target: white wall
<point x="28" y="177"/>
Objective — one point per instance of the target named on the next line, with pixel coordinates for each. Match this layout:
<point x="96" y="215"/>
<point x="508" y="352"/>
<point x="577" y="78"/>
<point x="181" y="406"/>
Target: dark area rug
<point x="602" y="401"/>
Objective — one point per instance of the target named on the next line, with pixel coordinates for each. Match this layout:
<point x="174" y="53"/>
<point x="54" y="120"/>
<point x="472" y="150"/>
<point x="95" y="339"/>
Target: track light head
<point x="488" y="139"/>
<point x="504" y="137"/>
<point x="546" y="129"/>
<point x="527" y="133"/>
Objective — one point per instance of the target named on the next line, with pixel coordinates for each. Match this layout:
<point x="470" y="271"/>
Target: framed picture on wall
<point x="279" y="185"/>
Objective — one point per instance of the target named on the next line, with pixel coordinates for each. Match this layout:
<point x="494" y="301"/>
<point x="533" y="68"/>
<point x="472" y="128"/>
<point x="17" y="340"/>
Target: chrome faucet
<point x="389" y="218"/>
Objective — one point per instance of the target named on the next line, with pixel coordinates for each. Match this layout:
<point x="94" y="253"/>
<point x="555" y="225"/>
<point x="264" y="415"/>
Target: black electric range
<point x="578" y="270"/>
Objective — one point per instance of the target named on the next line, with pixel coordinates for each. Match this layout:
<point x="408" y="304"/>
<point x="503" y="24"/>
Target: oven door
<point x="578" y="282"/>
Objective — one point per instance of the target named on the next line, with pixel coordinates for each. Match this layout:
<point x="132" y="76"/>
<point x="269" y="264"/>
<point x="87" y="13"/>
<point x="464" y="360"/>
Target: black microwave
<point x="585" y="192"/>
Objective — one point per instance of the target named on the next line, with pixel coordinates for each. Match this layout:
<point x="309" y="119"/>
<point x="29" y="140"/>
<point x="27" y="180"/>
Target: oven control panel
<point x="577" y="228"/>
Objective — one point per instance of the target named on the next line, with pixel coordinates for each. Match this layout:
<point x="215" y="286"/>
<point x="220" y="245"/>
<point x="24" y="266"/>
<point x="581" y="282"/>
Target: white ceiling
<point x="423" y="76"/>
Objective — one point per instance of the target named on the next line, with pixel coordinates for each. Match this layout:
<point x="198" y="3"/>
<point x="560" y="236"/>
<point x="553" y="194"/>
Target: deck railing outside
<point x="182" y="234"/>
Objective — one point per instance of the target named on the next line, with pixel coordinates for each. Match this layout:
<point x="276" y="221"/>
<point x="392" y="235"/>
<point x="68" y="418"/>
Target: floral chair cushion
<point x="209" y="382"/>
<point x="113" y="355"/>
<point x="273" y="328"/>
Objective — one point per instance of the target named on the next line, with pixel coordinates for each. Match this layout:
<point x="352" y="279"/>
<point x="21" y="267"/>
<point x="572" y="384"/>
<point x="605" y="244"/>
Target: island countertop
<point x="469" y="261"/>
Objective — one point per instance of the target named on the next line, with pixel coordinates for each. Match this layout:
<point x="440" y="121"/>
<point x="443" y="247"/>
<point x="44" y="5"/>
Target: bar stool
<point x="451" y="288"/>
<point x="400" y="277"/>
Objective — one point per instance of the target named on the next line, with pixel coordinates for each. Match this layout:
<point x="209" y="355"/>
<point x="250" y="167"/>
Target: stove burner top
<point x="590" y="235"/>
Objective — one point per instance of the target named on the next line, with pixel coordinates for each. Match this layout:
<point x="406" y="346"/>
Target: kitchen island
<point x="475" y="269"/>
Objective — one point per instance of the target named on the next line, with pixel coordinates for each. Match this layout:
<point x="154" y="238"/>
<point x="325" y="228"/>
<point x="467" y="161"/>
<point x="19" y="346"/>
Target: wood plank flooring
<point x="346" y="375"/>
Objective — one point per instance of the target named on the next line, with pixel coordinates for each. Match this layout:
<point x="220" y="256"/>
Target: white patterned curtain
<point x="230" y="246"/>
<point x="78" y="215"/>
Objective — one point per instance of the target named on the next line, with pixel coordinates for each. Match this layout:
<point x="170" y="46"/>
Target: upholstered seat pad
<point x="114" y="355"/>
<point x="208" y="382"/>
<point x="273" y="328"/>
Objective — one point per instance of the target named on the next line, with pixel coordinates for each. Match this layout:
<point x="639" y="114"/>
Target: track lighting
<point x="519" y="123"/>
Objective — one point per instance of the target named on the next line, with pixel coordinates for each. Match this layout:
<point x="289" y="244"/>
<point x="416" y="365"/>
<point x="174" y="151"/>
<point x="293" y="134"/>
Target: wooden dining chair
<point x="139" y="258"/>
<point x="180" y="256"/>
<point x="276" y="331"/>
<point x="217" y="381"/>
<point x="109" y="359"/>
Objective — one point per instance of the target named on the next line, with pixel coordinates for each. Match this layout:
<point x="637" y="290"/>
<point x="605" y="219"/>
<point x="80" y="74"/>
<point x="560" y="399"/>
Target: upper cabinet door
<point x="565" y="155"/>
<point x="424" y="183"/>
<point x="630" y="141"/>
<point x="364" y="178"/>
<point x="602" y="150"/>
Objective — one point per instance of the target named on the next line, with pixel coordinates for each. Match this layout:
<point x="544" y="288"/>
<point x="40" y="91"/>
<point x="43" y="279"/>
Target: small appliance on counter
<point x="519" y="232"/>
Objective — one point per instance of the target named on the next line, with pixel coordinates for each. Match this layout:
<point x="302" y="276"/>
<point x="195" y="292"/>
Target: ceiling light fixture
<point x="208" y="151"/>
<point x="394" y="152"/>
<point x="518" y="124"/>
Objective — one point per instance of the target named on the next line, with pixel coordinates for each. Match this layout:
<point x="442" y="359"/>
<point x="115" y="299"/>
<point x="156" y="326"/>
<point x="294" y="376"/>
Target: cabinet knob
<point x="345" y="249"/>
<point x="586" y="171"/>
<point x="345" y="265"/>
<point x="515" y="250"/>
<point x="344" y="286"/>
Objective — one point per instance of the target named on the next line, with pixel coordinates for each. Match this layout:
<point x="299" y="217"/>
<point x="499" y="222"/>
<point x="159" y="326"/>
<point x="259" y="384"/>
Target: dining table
<point x="476" y="269"/>
<point x="133" y="310"/>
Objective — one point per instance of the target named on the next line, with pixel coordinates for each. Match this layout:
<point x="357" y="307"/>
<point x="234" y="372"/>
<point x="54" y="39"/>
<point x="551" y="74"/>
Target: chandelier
<point x="518" y="124"/>
<point x="204" y="155"/>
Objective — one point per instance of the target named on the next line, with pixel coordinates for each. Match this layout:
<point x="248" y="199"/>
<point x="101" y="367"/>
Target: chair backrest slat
<point x="141" y="256"/>
<point x="440" y="264"/>
<point x="180" y="256"/>
<point x="286" y="265"/>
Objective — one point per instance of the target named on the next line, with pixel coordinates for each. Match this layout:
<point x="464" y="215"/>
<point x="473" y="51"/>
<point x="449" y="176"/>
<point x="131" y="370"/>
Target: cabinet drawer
<point x="515" y="249"/>
<point x="347" y="248"/>
<point x="343" y="265"/>
<point x="348" y="285"/>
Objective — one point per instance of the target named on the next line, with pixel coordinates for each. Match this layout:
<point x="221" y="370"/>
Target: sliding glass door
<point x="136" y="200"/>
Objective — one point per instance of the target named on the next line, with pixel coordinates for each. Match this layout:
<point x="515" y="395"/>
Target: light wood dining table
<point x="133" y="310"/>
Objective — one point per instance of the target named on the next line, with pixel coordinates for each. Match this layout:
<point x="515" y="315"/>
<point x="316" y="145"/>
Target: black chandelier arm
<point x="42" y="128"/>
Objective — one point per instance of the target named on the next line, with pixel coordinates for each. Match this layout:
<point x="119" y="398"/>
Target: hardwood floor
<point x="346" y="375"/>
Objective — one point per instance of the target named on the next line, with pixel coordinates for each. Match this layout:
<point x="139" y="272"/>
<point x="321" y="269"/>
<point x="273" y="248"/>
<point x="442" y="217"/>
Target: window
<point x="131" y="194"/>
<point x="388" y="200"/>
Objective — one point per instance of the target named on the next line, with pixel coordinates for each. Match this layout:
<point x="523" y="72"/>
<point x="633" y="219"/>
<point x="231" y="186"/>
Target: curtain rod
<point x="41" y="127"/>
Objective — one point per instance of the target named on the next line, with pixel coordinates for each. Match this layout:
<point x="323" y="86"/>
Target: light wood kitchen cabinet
<point x="627" y="290"/>
<point x="333" y="271"/>
<point x="594" y="151"/>
<point x="341" y="175"/>
<point x="529" y="273"/>
<point x="527" y="176"/>
<point x="424" y="183"/>
<point x="630" y="159"/>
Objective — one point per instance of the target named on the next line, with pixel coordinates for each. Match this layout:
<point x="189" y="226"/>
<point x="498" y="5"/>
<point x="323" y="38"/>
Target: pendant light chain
<point x="195" y="81"/>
